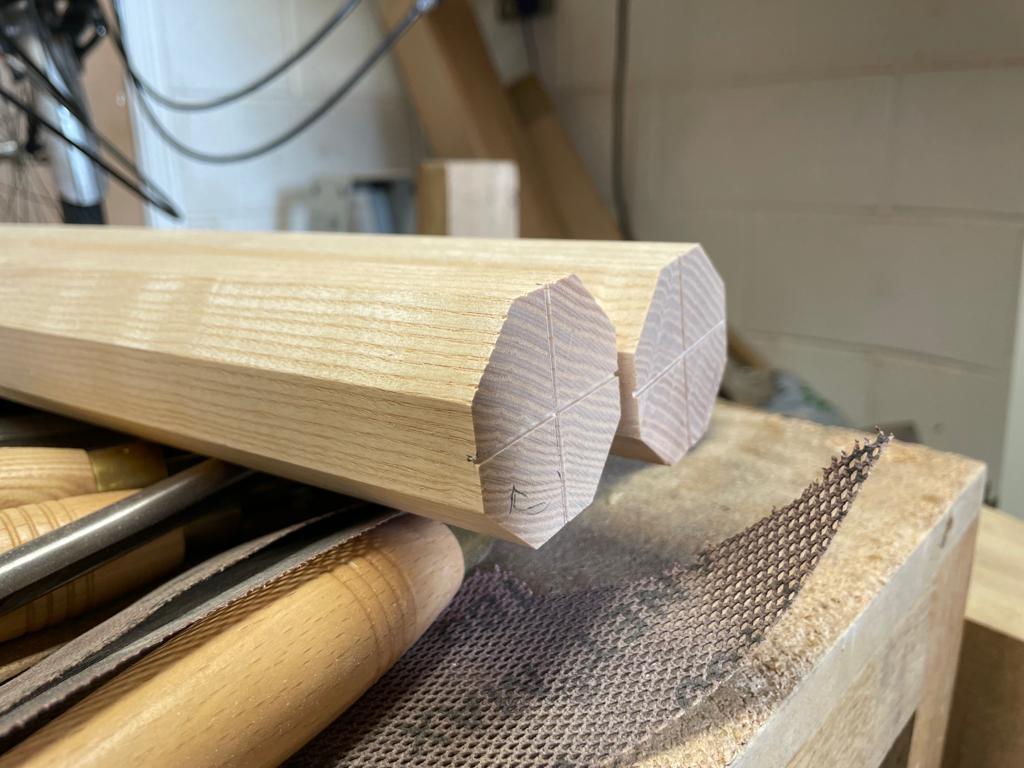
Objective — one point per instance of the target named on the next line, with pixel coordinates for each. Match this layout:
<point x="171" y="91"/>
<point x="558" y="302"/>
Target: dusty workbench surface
<point x="841" y="675"/>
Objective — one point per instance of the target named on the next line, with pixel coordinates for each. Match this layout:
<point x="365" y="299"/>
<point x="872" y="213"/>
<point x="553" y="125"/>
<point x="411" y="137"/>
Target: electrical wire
<point x="149" y="191"/>
<point x="197" y="106"/>
<point x="418" y="8"/>
<point x="163" y="204"/>
<point x="619" y="116"/>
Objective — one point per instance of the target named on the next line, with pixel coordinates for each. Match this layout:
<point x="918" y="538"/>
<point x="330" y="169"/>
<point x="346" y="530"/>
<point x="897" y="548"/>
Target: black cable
<point x="163" y="205"/>
<point x="197" y="106"/>
<point x="619" y="116"/>
<point x="146" y="189"/>
<point x="418" y="9"/>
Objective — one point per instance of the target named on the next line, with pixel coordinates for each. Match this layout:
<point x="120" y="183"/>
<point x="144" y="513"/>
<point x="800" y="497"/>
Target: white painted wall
<point x="854" y="167"/>
<point x="194" y="49"/>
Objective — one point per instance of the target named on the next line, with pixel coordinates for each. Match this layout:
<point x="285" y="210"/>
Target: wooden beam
<point x="583" y="213"/>
<point x="486" y="398"/>
<point x="667" y="304"/>
<point x="462" y="105"/>
<point x="468" y="198"/>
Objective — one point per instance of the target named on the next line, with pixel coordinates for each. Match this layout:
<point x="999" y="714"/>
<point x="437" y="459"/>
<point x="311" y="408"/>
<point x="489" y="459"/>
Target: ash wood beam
<point x="462" y="105"/>
<point x="581" y="210"/>
<point x="486" y="398"/>
<point x="667" y="304"/>
<point x="666" y="301"/>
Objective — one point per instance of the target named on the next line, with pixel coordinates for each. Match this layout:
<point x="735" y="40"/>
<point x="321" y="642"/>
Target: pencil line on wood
<point x="547" y="420"/>
<point x="679" y="359"/>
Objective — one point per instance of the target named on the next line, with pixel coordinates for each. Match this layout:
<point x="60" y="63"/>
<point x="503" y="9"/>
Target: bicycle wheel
<point x="27" y="188"/>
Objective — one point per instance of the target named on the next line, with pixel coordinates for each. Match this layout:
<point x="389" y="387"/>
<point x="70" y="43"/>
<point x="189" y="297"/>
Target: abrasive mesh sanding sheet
<point x="510" y="677"/>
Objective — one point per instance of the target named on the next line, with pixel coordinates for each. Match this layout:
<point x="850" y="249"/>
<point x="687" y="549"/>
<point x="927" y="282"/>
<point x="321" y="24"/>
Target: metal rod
<point x="59" y="556"/>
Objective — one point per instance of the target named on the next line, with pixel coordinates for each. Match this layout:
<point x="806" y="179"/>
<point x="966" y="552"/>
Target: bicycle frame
<point x="80" y="184"/>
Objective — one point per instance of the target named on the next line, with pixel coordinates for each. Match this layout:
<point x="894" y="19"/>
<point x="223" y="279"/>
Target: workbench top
<point x="842" y="673"/>
<point x="872" y="638"/>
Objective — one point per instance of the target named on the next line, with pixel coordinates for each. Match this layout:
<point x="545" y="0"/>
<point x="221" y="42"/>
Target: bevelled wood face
<point x="680" y="358"/>
<point x="546" y="411"/>
<point x="341" y="361"/>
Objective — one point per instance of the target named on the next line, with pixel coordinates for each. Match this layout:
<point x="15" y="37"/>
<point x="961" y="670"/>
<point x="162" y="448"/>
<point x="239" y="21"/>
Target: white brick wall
<point x="856" y="170"/>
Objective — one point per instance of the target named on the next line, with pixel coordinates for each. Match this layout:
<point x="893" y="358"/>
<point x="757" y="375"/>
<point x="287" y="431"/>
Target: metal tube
<point x="55" y="558"/>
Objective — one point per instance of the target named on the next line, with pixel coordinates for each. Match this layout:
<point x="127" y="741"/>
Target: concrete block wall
<point x="856" y="171"/>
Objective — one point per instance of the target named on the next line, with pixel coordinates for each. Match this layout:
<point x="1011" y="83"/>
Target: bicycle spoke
<point x="25" y="198"/>
<point x="19" y="196"/>
<point x="44" y="203"/>
<point x="12" y="208"/>
<point x="10" y="203"/>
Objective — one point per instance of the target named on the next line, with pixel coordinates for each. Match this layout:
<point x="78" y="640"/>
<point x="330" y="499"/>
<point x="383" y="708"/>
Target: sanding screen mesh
<point x="507" y="677"/>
